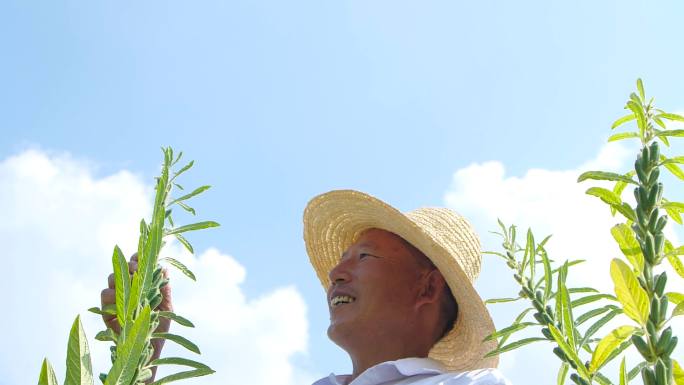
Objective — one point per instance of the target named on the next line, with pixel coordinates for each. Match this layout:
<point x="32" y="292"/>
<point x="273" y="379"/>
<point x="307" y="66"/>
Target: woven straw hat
<point x="334" y="220"/>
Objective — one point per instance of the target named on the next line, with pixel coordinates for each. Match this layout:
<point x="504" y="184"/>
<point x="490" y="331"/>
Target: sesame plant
<point x="640" y="282"/>
<point x="137" y="297"/>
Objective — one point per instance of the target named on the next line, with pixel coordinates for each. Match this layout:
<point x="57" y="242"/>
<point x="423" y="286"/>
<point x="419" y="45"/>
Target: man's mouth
<point x="341" y="299"/>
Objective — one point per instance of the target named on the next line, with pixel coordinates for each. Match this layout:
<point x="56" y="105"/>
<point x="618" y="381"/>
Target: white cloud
<point x="550" y="202"/>
<point x="59" y="225"/>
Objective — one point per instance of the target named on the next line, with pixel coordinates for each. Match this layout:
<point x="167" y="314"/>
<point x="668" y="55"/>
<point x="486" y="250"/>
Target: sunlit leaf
<point x="623" y="373"/>
<point x="122" y="284"/>
<point x="678" y="310"/>
<point x="178" y="361"/>
<point x="606" y="195"/>
<point x="193" y="227"/>
<point x="126" y="363"/>
<point x="183" y="375"/>
<point x="562" y="373"/>
<point x="608" y="344"/>
<point x="628" y="291"/>
<point x="624" y="236"/>
<point x="175" y="317"/>
<point x="673" y="117"/>
<point x="622" y="135"/>
<point x="675" y="170"/>
<point x="640" y="87"/>
<point x="677" y="373"/>
<point x="501" y="300"/>
<point x="623" y="120"/>
<point x="195" y="192"/>
<point x="677" y="264"/>
<point x="675" y="298"/>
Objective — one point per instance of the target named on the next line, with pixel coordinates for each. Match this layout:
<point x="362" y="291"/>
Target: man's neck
<point x="362" y="361"/>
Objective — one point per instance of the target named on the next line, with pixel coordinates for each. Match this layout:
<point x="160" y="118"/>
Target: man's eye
<point x="363" y="255"/>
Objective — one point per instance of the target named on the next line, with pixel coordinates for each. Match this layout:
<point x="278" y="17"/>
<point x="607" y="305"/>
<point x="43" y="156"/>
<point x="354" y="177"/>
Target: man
<point x="400" y="294"/>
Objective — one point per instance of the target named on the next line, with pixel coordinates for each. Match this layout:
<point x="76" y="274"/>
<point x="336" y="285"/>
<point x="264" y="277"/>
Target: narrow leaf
<point x="178" y="361"/>
<point x="675" y="298"/>
<point x="569" y="352"/>
<point x="183" y="375"/>
<point x="196" y="191"/>
<point x="182" y="341"/>
<point x="603" y="175"/>
<point x="591" y="314"/>
<point x="606" y="195"/>
<point x="608" y="344"/>
<point x="186" y="207"/>
<point x="640" y="87"/>
<point x="501" y="300"/>
<point x="175" y="317"/>
<point x="622" y="135"/>
<point x="674" y="170"/>
<point x="622" y="120"/>
<point x="107" y="311"/>
<point x="180" y="267"/>
<point x="514" y="345"/>
<point x="598" y="325"/>
<point x="677" y="264"/>
<point x="185" y="243"/>
<point x="623" y="373"/>
<point x="628" y="291"/>
<point x="592" y="298"/>
<point x="678" y="310"/>
<point x="677" y="373"/>
<point x="547" y="275"/>
<point x="562" y="373"/>
<point x="508" y="330"/>
<point x="672" y="117"/>
<point x="566" y="311"/>
<point x="193" y="227"/>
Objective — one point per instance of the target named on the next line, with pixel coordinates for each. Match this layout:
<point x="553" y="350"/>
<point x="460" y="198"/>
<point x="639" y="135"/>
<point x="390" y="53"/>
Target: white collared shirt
<point x="417" y="371"/>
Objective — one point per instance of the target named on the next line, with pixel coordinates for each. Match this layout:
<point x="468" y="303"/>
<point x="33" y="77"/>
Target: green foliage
<point x="639" y="289"/>
<point x="137" y="298"/>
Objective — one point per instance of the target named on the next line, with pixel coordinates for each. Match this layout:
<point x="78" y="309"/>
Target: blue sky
<point x="280" y="101"/>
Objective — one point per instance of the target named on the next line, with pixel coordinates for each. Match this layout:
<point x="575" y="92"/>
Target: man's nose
<point x="340" y="273"/>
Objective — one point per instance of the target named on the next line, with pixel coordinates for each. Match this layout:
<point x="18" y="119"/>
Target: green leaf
<point x="591" y="298"/>
<point x="122" y="284"/>
<point x="640" y="87"/>
<point x="79" y="370"/>
<point x="517" y="320"/>
<point x="674" y="159"/>
<point x="675" y="133"/>
<point x="672" y="117"/>
<point x="601" y="379"/>
<point x="677" y="264"/>
<point x="175" y="317"/>
<point x="128" y="352"/>
<point x="196" y="191"/>
<point x="186" y="208"/>
<point x="606" y="195"/>
<point x="598" y="325"/>
<point x="671" y="212"/>
<point x="180" y="267"/>
<point x="178" y="361"/>
<point x="569" y="352"/>
<point x="566" y="312"/>
<point x="675" y="170"/>
<point x="562" y="373"/>
<point x="183" y="375"/>
<point x="624" y="236"/>
<point x="636" y="370"/>
<point x="514" y="345"/>
<point x="182" y="170"/>
<point x="193" y="227"/>
<point x="185" y="243"/>
<point x="678" y="310"/>
<point x="622" y="136"/>
<point x="508" y="330"/>
<point x="47" y="374"/>
<point x="106" y="335"/>
<point x="501" y="300"/>
<point x="628" y="291"/>
<point x="136" y="293"/>
<point x="677" y="373"/>
<point x="622" y="120"/>
<point x="593" y="313"/>
<point x="182" y="341"/>
<point x="603" y="175"/>
<point x="608" y="344"/>
<point x="108" y="310"/>
<point x="639" y="112"/>
<point x="675" y="298"/>
<point x="547" y="275"/>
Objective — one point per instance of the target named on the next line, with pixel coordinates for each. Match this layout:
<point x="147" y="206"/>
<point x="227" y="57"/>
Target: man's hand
<point x="108" y="297"/>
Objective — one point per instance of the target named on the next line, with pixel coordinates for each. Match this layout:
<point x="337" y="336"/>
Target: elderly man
<point x="399" y="290"/>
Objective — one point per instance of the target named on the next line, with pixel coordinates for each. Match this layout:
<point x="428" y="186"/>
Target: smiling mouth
<point x="341" y="299"/>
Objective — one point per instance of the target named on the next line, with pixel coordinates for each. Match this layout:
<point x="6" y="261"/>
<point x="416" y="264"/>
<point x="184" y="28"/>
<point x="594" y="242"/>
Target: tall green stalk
<point x="640" y="290"/>
<point x="137" y="298"/>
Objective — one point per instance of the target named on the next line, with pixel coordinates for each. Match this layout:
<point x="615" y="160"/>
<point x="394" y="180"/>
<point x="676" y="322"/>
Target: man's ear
<point x="431" y="288"/>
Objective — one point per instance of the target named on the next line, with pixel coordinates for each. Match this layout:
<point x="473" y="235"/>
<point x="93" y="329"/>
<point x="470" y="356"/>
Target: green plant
<point x="137" y="298"/>
<point x="640" y="291"/>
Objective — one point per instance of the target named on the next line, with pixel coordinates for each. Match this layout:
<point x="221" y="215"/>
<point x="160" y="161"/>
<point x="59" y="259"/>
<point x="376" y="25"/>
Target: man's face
<point x="373" y="289"/>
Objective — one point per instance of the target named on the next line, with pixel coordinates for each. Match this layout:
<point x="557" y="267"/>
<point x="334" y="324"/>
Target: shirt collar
<point x="391" y="371"/>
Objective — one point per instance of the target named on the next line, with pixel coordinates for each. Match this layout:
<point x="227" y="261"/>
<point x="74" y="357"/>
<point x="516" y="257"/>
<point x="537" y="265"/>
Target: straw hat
<point x="334" y="220"/>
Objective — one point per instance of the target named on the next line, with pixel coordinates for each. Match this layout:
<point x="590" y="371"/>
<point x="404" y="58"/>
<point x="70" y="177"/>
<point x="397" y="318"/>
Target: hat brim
<point x="334" y="220"/>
